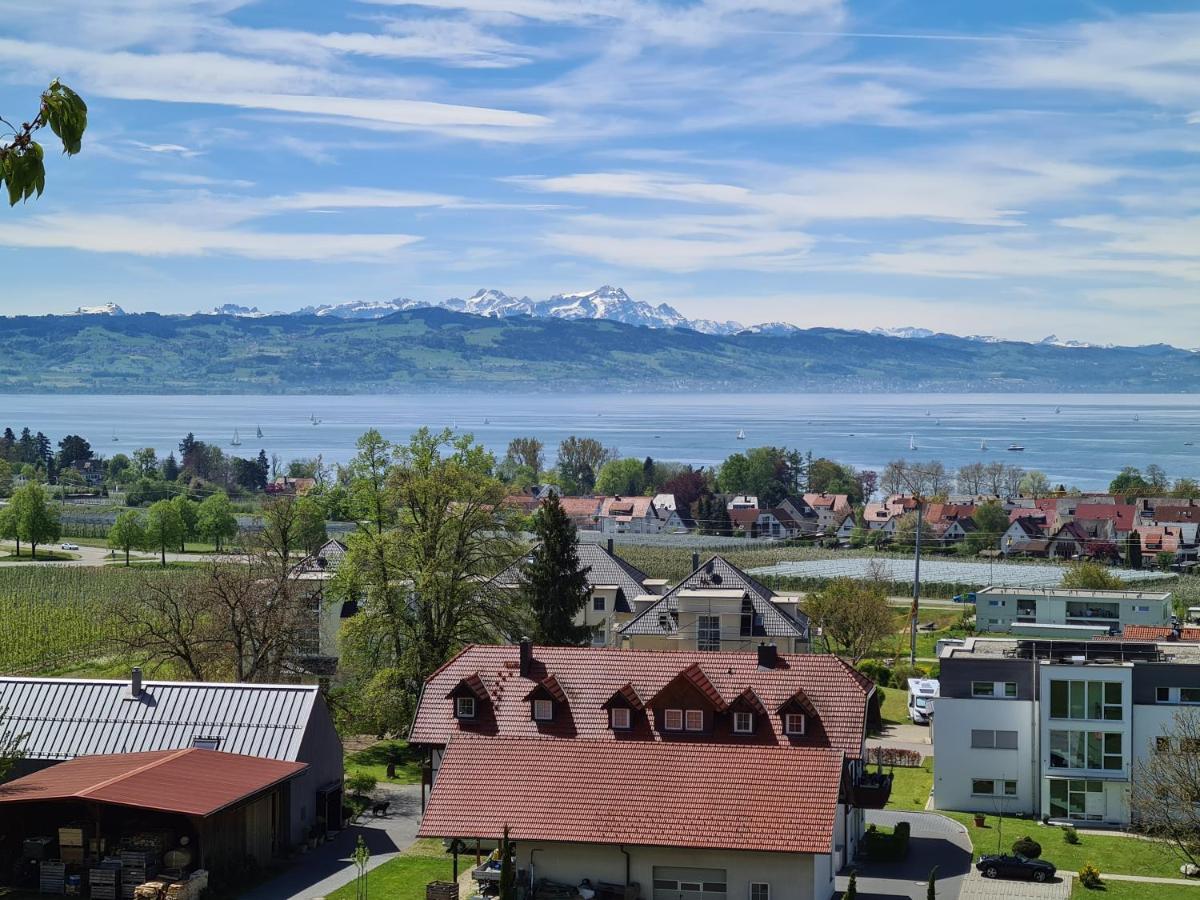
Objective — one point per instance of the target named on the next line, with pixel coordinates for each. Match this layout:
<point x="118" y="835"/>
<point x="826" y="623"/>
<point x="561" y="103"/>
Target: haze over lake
<point x="1084" y="444"/>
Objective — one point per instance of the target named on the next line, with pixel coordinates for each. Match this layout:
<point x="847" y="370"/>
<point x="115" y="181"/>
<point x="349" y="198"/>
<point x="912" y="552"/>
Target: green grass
<point x="102" y="543"/>
<point x="1133" y="890"/>
<point x="373" y="761"/>
<point x="405" y="877"/>
<point x="895" y="705"/>
<point x="1110" y="853"/>
<point x="911" y="787"/>
<point x="43" y="555"/>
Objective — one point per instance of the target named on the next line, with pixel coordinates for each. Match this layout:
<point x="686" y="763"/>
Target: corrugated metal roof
<point x="65" y="718"/>
<point x="191" y="782"/>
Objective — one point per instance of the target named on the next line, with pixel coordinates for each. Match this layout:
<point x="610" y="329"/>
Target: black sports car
<point x="1000" y="866"/>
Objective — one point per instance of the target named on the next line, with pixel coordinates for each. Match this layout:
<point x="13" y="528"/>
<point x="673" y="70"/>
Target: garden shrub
<point x="1089" y="877"/>
<point x="1070" y="835"/>
<point x="1027" y="847"/>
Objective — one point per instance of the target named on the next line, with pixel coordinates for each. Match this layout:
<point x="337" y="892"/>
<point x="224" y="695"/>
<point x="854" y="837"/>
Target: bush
<point x="1070" y="835"/>
<point x="904" y="671"/>
<point x="877" y="672"/>
<point x="361" y="783"/>
<point x="1089" y="877"/>
<point x="887" y="847"/>
<point x="1027" y="847"/>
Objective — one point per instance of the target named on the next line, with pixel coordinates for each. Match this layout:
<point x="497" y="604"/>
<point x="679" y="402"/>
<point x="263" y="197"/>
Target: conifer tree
<point x="1133" y="550"/>
<point x="556" y="588"/>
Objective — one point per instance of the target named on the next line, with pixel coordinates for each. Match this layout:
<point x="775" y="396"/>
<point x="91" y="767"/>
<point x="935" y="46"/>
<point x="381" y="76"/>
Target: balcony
<point x="871" y="791"/>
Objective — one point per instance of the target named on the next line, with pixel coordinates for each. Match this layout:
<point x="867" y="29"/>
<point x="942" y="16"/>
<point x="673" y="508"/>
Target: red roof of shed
<point x="745" y="797"/>
<point x="191" y="782"/>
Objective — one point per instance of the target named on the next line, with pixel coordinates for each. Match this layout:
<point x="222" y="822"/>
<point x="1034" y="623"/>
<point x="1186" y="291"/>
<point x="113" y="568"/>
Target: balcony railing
<point x="871" y="791"/>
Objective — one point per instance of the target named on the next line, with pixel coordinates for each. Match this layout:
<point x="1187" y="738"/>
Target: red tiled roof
<point x="744" y="518"/>
<point x="1157" y="633"/>
<point x="737" y="797"/>
<point x="191" y="782"/>
<point x="1176" y="514"/>
<point x="1120" y="514"/>
<point x="592" y="675"/>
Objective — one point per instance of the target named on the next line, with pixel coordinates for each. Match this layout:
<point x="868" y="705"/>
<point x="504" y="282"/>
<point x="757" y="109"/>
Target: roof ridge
<point x="154" y="764"/>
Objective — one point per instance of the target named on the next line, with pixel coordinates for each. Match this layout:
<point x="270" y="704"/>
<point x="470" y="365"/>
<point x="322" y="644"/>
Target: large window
<point x="708" y="633"/>
<point x="983" y="689"/>
<point x="1076" y="799"/>
<point x="1086" y="750"/>
<point x="1086" y="700"/>
<point x="760" y="890"/>
<point x="673" y="719"/>
<point x="694" y="719"/>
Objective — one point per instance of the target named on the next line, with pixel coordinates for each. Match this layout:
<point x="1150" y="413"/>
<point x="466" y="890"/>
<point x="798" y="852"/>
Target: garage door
<point x="675" y="883"/>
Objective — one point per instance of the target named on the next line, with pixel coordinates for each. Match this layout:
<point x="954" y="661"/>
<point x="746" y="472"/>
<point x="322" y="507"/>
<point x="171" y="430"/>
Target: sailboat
<point x="237" y="440"/>
<point x="259" y="431"/>
<point x="1135" y="417"/>
<point x="1057" y="410"/>
<point x="912" y="442"/>
<point x="983" y="445"/>
<point x="313" y="418"/>
<point x="115" y="438"/>
<point x="741" y="435"/>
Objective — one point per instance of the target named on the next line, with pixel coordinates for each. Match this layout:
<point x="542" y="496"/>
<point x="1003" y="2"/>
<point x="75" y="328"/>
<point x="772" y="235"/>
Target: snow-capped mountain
<point x="614" y="304"/>
<point x="907" y="331"/>
<point x="1055" y="341"/>
<point x="490" y="302"/>
<point x="362" y="309"/>
<point x="108" y="309"/>
<point x="233" y="309"/>
<point x="772" y="329"/>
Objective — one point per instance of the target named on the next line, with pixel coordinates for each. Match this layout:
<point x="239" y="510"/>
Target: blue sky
<point x="1014" y="168"/>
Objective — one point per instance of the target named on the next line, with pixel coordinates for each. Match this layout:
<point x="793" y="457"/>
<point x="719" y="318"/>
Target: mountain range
<point x="432" y="348"/>
<point x="609" y="303"/>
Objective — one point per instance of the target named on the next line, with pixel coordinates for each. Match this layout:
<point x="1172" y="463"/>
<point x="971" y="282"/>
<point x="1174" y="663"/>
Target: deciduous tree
<point x="527" y="451"/>
<point x="127" y="532"/>
<point x="164" y="527"/>
<point x="579" y="461"/>
<point x="1165" y="796"/>
<point x="22" y="168"/>
<point x="215" y="520"/>
<point x="36" y="517"/>
<point x="853" y="616"/>
<point x="1090" y="575"/>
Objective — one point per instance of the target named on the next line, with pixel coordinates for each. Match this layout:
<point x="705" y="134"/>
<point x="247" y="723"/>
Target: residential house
<point x="584" y="512"/>
<point x="1069" y="541"/>
<point x="1121" y="517"/>
<point x="65" y="718"/>
<point x="846" y="528"/>
<point x="90" y="470"/>
<point x="957" y="530"/>
<point x="1007" y="609"/>
<point x="1025" y="536"/>
<point x="666" y="505"/>
<point x="801" y="517"/>
<point x="718" y="607"/>
<point x="320" y="644"/>
<point x="1176" y="514"/>
<point x="741" y="501"/>
<point x="1055" y="729"/>
<point x="665" y="774"/>
<point x="884" y="515"/>
<point x="636" y="515"/>
<point x="618" y="589"/>
<point x="285" y="484"/>
<point x="829" y="508"/>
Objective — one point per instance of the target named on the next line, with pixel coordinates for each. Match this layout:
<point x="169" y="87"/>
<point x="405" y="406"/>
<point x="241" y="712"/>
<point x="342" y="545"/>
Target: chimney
<point x="526" y="656"/>
<point x="768" y="656"/>
<point x="135" y="683"/>
<point x="695" y="560"/>
<point x="610" y="546"/>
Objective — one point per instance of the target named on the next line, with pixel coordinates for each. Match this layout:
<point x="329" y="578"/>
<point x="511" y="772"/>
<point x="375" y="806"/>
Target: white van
<point x="921" y="694"/>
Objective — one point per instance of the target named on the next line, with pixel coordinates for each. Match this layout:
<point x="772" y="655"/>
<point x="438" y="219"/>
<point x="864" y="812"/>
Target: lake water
<point x="1083" y="444"/>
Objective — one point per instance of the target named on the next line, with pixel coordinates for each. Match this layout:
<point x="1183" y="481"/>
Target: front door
<point x="682" y="883"/>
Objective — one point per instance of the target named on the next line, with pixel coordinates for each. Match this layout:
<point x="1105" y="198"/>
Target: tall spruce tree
<point x="556" y="587"/>
<point x="1133" y="550"/>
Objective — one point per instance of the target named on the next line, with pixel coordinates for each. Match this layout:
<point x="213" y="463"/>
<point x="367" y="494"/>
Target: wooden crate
<point x="441" y="890"/>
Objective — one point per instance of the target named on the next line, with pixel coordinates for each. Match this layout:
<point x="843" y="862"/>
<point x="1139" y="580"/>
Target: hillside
<point x="432" y="348"/>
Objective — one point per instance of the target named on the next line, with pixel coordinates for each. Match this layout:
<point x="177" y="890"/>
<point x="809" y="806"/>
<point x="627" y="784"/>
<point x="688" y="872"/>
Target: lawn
<point x="43" y="555"/>
<point x="1110" y="853"/>
<point x="911" y="787"/>
<point x="374" y="759"/>
<point x="1133" y="890"/>
<point x="405" y="877"/>
<point x="894" y="708"/>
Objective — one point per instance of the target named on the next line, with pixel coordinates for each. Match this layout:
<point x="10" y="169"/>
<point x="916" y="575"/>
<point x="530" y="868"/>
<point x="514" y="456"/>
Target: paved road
<point x="95" y="556"/>
<point x="934" y="841"/>
<point x="976" y="887"/>
<point x="322" y="871"/>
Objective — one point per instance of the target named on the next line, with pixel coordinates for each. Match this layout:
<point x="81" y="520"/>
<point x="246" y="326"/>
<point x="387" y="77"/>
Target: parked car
<point x="968" y="598"/>
<point x="1001" y="866"/>
<point x="69" y="546"/>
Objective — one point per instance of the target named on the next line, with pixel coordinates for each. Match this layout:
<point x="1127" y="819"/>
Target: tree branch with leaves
<point x="22" y="169"/>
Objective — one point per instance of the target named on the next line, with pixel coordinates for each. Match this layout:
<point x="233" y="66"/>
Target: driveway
<point x="905" y="736"/>
<point x="976" y="887"/>
<point x="322" y="871"/>
<point x="933" y="841"/>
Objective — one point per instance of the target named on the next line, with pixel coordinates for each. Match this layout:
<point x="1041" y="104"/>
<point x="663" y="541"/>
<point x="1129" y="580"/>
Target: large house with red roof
<point x="740" y="773"/>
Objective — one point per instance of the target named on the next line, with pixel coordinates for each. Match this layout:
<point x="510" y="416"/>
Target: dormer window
<point x="619" y="718"/>
<point x="598" y="603"/>
<point x="543" y="710"/>
<point x="743" y="723"/>
<point x="694" y="719"/>
<point x="673" y="720"/>
<point x="464" y="708"/>
<point x="793" y="724"/>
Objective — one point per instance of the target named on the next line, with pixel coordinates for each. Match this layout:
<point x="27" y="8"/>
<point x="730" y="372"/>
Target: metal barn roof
<point x="64" y="718"/>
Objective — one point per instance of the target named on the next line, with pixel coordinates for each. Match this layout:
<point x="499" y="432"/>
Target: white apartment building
<point x="1054" y="729"/>
<point x="999" y="608"/>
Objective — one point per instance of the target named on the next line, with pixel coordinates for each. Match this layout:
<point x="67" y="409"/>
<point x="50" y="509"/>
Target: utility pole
<point x="916" y="604"/>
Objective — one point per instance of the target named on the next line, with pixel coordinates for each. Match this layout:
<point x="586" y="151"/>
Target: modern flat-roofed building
<point x="999" y="608"/>
<point x="1055" y="728"/>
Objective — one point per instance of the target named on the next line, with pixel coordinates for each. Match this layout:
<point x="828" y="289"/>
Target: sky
<point x="1015" y="169"/>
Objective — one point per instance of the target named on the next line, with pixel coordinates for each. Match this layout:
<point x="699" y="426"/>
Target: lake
<point x="1081" y="440"/>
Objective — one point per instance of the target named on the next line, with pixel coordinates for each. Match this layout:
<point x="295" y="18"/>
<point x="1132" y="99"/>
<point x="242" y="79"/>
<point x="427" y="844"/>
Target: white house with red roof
<point x="740" y="773"/>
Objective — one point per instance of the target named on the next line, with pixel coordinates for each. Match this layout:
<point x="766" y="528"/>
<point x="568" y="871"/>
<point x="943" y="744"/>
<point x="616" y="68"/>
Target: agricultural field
<point x="51" y="618"/>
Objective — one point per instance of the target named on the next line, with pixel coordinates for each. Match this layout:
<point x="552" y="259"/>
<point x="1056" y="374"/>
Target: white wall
<point x="792" y="876"/>
<point x="956" y="763"/>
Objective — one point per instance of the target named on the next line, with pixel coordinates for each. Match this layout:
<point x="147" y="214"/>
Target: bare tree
<point x="527" y="451"/>
<point x="1165" y="796"/>
<point x="993" y="474"/>
<point x="971" y="478"/>
<point x="1012" y="480"/>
